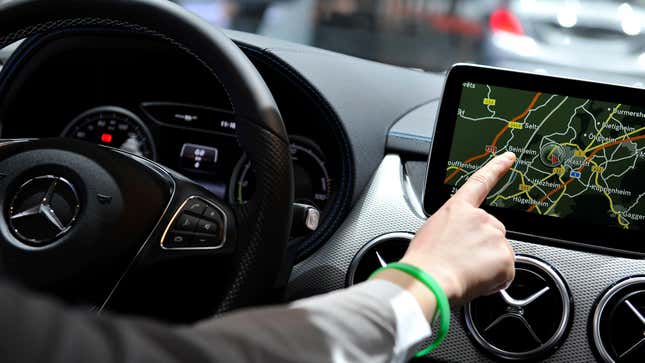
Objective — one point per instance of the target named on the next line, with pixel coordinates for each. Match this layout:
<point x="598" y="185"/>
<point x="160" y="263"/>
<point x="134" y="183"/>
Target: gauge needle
<point x="381" y="260"/>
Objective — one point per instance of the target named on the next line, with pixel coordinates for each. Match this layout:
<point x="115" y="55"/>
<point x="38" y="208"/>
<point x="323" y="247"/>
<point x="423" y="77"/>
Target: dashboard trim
<point x="343" y="202"/>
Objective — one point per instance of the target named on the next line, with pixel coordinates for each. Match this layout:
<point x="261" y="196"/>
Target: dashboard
<point x="575" y="287"/>
<point x="182" y="120"/>
<point x="374" y="146"/>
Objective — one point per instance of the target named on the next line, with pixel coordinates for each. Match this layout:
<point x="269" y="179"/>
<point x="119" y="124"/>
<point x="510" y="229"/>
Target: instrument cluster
<point x="201" y="143"/>
<point x="141" y="95"/>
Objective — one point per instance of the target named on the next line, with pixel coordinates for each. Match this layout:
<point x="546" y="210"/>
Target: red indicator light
<point x="106" y="138"/>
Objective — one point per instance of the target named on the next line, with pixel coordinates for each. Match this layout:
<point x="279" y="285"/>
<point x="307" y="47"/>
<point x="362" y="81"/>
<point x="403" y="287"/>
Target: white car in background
<point x="599" y="39"/>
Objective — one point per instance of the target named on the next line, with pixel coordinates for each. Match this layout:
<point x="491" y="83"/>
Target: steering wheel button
<point x="207" y="227"/>
<point x="212" y="214"/>
<point x="207" y="241"/>
<point x="179" y="239"/>
<point x="195" y="206"/>
<point x="186" y="223"/>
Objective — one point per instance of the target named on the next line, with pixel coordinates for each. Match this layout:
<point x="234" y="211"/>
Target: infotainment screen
<point x="580" y="146"/>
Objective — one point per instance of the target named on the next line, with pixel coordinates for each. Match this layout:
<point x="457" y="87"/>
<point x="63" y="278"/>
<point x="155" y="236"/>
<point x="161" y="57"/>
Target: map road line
<point x="496" y="139"/>
<point x="594" y="152"/>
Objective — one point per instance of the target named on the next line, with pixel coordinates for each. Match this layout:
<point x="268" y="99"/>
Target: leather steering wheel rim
<point x="264" y="223"/>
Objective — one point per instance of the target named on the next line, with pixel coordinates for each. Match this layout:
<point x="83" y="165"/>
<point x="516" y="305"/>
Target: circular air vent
<point x="528" y="320"/>
<point x="378" y="252"/>
<point x="618" y="322"/>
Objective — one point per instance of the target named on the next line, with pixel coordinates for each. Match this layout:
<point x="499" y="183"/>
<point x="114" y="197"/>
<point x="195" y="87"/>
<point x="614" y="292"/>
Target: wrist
<point x="424" y="297"/>
<point x="443" y="275"/>
<point x="428" y="293"/>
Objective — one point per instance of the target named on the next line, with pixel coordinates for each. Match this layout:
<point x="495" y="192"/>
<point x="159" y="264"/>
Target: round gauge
<point x="115" y="127"/>
<point x="312" y="182"/>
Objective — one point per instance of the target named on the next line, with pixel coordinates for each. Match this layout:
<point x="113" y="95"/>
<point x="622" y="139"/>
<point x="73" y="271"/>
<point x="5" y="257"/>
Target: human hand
<point x="461" y="246"/>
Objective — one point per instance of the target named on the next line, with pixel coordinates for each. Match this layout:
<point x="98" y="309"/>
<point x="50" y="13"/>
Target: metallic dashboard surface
<point x="384" y="208"/>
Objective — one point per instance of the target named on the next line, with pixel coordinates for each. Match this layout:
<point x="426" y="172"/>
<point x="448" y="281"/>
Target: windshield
<point x="600" y="39"/>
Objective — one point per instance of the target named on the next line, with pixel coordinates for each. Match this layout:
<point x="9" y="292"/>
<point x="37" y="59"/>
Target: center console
<point x="578" y="183"/>
<point x="572" y="203"/>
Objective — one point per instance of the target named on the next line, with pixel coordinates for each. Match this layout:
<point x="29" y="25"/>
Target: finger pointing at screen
<point x="463" y="247"/>
<point x="480" y="184"/>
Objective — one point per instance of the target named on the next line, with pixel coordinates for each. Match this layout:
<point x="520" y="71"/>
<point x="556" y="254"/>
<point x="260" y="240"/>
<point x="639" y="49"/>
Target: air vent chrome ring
<point x="622" y="295"/>
<point x="537" y="286"/>
<point x="391" y="246"/>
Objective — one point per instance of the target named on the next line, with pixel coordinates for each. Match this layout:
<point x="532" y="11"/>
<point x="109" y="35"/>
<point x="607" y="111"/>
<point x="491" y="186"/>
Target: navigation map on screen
<point x="577" y="158"/>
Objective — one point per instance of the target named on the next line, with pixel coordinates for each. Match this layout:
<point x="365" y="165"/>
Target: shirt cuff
<point x="412" y="328"/>
<point x="374" y="319"/>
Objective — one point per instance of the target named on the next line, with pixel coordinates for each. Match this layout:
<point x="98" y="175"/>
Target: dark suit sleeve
<point x="373" y="322"/>
<point x="35" y="329"/>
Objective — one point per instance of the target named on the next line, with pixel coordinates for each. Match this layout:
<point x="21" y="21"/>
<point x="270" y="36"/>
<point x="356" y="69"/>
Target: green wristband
<point x="443" y="306"/>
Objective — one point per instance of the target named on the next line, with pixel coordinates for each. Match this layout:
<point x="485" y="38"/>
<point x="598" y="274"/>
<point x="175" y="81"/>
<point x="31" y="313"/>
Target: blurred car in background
<point x="596" y="39"/>
<point x="425" y="34"/>
<point x="601" y="39"/>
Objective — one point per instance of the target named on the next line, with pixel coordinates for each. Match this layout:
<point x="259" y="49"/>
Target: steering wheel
<point x="81" y="217"/>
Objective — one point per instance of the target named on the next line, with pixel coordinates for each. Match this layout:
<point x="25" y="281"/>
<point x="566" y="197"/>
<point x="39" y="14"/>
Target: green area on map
<point x="578" y="158"/>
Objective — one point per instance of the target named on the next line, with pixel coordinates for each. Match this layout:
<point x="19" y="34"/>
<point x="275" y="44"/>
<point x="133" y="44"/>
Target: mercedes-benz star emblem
<point x="43" y="209"/>
<point x="515" y="311"/>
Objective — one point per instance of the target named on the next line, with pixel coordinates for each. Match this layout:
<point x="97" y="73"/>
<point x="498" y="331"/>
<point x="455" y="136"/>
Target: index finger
<point x="475" y="190"/>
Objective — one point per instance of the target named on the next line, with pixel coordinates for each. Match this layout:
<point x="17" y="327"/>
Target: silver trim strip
<point x="410" y="195"/>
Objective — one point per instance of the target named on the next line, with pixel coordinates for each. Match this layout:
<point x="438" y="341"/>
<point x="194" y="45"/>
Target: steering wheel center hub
<point x="43" y="209"/>
<point x="71" y="205"/>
